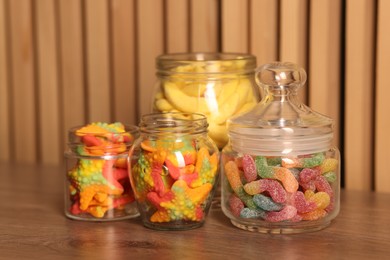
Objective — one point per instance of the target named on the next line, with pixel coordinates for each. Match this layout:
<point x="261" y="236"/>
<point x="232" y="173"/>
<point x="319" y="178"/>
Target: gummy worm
<point x="266" y="203"/>
<point x="273" y="187"/>
<point x="310" y="162"/>
<point x="233" y="175"/>
<point x="274" y="172"/>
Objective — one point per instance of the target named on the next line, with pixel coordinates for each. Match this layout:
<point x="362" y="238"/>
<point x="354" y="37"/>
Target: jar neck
<point x="173" y="124"/>
<point x="205" y="64"/>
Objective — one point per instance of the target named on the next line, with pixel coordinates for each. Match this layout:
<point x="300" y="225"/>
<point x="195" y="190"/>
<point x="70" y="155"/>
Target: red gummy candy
<point x="236" y="205"/>
<point x="309" y="174"/>
<point x="157" y="179"/>
<point x="173" y="170"/>
<point x="112" y="174"/>
<point x="156" y="200"/>
<point x="300" y="203"/>
<point x="323" y="185"/>
<point x="91" y="140"/>
<point x="287" y="213"/>
<point x="249" y="167"/>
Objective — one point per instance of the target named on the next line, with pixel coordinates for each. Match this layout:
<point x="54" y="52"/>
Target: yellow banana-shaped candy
<point x="183" y="102"/>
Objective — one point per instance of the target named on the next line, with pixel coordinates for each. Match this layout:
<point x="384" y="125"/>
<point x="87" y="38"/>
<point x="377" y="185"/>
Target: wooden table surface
<point x="33" y="226"/>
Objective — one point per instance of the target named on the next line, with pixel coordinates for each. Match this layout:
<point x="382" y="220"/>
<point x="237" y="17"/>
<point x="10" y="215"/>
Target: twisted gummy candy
<point x="249" y="167"/>
<point x="266" y="203"/>
<point x="304" y="162"/>
<point x="274" y="172"/>
<point x="287" y="213"/>
<point x="280" y="193"/>
<point x="235" y="205"/>
<point x="273" y="187"/>
<point x="233" y="175"/>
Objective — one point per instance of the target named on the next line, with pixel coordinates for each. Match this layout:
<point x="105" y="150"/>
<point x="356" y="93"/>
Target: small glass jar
<point x="218" y="85"/>
<point x="97" y="186"/>
<point x="174" y="170"/>
<point x="280" y="172"/>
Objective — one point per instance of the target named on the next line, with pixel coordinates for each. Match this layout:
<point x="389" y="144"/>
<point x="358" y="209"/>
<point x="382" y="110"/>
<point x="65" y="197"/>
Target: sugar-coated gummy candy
<point x="274" y="172"/>
<point x="285" y="189"/>
<point x="320" y="199"/>
<point x="304" y="162"/>
<point x="330" y="176"/>
<point x="236" y="205"/>
<point x="273" y="187"/>
<point x="252" y="213"/>
<point x="328" y="165"/>
<point x="309" y="174"/>
<point x="287" y="213"/>
<point x="301" y="204"/>
<point x="233" y="175"/>
<point x="266" y="203"/>
<point x="249" y="167"/>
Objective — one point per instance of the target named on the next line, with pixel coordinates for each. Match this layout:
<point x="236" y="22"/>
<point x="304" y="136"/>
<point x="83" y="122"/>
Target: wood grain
<point x="294" y="36"/>
<point x="324" y="61"/>
<point x="123" y="63"/>
<point x="50" y="126"/>
<point x="235" y="26"/>
<point x="359" y="94"/>
<point x="382" y="105"/>
<point x="94" y="60"/>
<point x="149" y="46"/>
<point x="33" y="226"/>
<point x="98" y="61"/>
<point x="4" y="85"/>
<point x="177" y="32"/>
<point x="73" y="94"/>
<point x="264" y="30"/>
<point x="23" y="89"/>
<point x="204" y="26"/>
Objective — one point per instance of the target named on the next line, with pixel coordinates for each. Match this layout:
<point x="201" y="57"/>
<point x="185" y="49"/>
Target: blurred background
<point x="70" y="62"/>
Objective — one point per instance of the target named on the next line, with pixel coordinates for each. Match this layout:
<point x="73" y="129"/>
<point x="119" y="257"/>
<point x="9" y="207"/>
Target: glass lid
<point x="280" y="123"/>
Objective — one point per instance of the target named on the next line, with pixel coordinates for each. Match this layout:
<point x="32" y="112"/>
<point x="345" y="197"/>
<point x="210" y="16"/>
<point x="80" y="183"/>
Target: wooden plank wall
<point x="68" y="62"/>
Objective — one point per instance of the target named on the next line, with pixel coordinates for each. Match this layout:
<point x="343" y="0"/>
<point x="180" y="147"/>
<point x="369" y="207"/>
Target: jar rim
<point x="173" y="123"/>
<point x="205" y="56"/>
<point x="120" y="142"/>
<point x="209" y="62"/>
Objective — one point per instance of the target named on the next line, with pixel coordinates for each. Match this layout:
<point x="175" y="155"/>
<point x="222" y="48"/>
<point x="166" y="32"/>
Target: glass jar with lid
<point x="280" y="171"/>
<point x="174" y="170"/>
<point x="218" y="85"/>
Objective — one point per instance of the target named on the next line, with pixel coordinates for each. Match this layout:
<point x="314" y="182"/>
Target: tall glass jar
<point x="97" y="186"/>
<point x="174" y="169"/>
<point x="218" y="85"/>
<point x="281" y="173"/>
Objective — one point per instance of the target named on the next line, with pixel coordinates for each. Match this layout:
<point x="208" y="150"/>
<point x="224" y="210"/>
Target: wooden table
<point x="33" y="226"/>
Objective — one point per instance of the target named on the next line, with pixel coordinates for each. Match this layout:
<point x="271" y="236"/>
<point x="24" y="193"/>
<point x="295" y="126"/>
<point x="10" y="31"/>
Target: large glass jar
<point x="174" y="170"/>
<point x="281" y="173"/>
<point x="218" y="85"/>
<point x="97" y="186"/>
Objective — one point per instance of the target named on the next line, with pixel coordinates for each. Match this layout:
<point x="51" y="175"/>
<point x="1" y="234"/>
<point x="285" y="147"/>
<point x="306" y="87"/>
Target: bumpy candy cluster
<point x="276" y="189"/>
<point x="173" y="180"/>
<point x="99" y="180"/>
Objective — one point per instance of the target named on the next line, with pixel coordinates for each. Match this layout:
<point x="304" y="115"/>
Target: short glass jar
<point x="97" y="186"/>
<point x="174" y="170"/>
<point x="218" y="85"/>
<point x="280" y="173"/>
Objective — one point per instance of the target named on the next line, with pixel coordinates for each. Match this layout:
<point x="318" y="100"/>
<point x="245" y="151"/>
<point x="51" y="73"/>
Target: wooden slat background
<point x="69" y="62"/>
